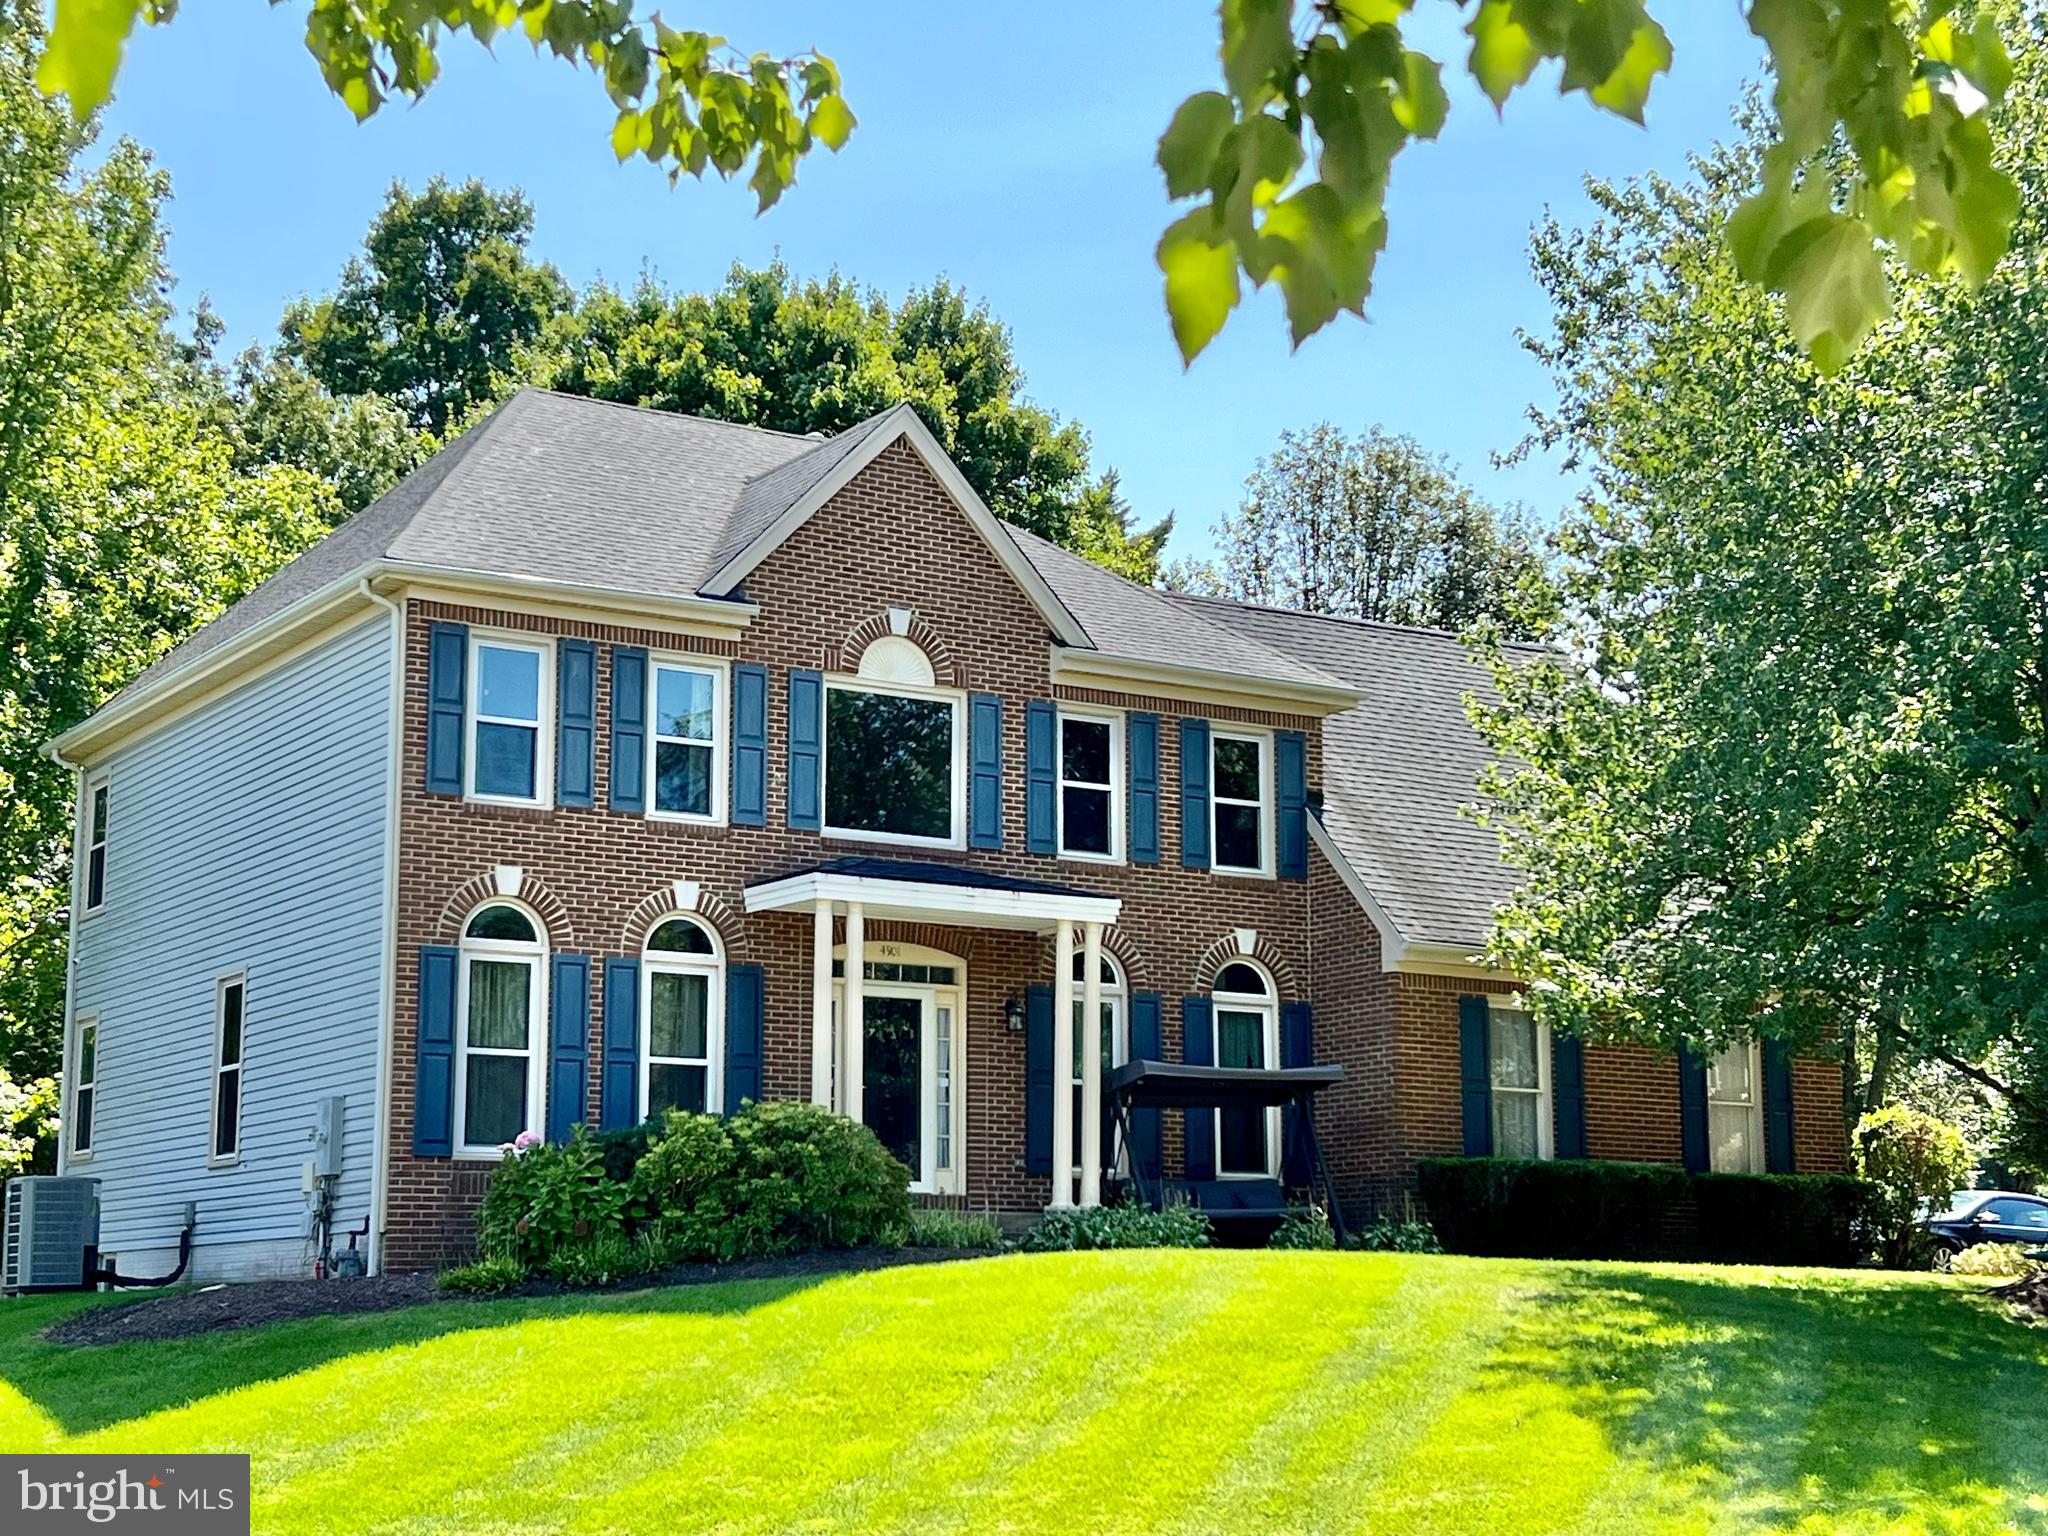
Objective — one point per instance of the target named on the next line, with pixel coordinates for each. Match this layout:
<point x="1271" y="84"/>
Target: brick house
<point x="618" y="760"/>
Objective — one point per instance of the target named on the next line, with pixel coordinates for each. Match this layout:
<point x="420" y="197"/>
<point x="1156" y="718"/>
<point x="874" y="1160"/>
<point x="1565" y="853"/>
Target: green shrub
<point x="829" y="1179"/>
<point x="1995" y="1261"/>
<point x="623" y="1148"/>
<point x="483" y="1277"/>
<point x="1511" y="1208"/>
<point x="1118" y="1226"/>
<point x="689" y="1182"/>
<point x="1783" y="1218"/>
<point x="1304" y="1227"/>
<point x="1404" y="1234"/>
<point x="604" y="1258"/>
<point x="951" y="1229"/>
<point x="544" y="1197"/>
<point x="1914" y="1161"/>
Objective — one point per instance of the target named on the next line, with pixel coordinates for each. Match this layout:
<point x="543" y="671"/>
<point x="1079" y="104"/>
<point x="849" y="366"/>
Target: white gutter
<point x="387" y="1031"/>
<point x="1085" y="667"/>
<point x="64" y="1063"/>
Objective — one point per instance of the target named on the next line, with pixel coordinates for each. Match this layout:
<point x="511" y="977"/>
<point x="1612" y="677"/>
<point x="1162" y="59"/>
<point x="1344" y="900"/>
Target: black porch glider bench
<point x="1240" y="1209"/>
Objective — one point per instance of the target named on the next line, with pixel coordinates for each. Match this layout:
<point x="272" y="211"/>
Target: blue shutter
<point x="1297" y="1049"/>
<point x="1290" y="755"/>
<point x="806" y="749"/>
<point x="1147" y="1044"/>
<point x="1197" y="1047"/>
<point x="629" y="728"/>
<point x="749" y="744"/>
<point x="447" y="680"/>
<point x="621" y="1081"/>
<point x="1038" y="1080"/>
<point x="568" y="1042"/>
<point x="984" y="771"/>
<point x="1041" y="777"/>
<point x="1692" y="1110"/>
<point x="1142" y="737"/>
<point x="576" y="723"/>
<point x="1194" y="794"/>
<point x="433" y="1109"/>
<point x="744" y="996"/>
<point x="1779" y="1156"/>
<point x="1568" y="1090"/>
<point x="1475" y="1075"/>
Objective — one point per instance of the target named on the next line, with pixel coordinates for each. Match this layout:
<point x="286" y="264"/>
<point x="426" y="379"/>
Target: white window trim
<point x="951" y="1180"/>
<point x="952" y="696"/>
<point x="79" y="1025"/>
<point x="1115" y="722"/>
<point x="1268" y="1009"/>
<point x="1545" y="1092"/>
<point x="93" y="785"/>
<point x="721" y="732"/>
<point x="1117" y="996"/>
<point x="215" y="1158"/>
<point x="543" y="728"/>
<point x="1263" y="870"/>
<point x="536" y="955"/>
<point x="1755" y="1106"/>
<point x="669" y="962"/>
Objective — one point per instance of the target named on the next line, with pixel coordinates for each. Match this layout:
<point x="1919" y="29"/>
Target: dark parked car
<point x="1988" y="1216"/>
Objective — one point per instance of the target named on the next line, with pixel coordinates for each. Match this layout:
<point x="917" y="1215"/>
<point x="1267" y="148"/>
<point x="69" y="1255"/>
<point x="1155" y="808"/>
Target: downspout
<point x="64" y="1062"/>
<point x="380" y="1152"/>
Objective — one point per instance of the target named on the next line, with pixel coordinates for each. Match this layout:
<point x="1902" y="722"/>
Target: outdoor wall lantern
<point x="1013" y="1014"/>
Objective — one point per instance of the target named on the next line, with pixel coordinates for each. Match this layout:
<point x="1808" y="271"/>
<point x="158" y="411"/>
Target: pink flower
<point x="526" y="1141"/>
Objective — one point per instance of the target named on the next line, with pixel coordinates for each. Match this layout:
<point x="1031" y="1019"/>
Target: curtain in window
<point x="1241" y="1042"/>
<point x="498" y="994"/>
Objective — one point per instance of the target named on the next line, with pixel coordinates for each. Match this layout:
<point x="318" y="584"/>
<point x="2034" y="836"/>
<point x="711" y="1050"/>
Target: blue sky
<point x="1007" y="147"/>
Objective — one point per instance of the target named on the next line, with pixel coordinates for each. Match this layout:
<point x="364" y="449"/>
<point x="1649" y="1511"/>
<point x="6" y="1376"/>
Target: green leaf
<point x="1420" y="104"/>
<point x="1258" y="46"/>
<point x="1615" y="50"/>
<point x="1202" y="288"/>
<point x="833" y="122"/>
<point x="84" y="51"/>
<point x="1835" y="288"/>
<point x="626" y="133"/>
<point x="1188" y="148"/>
<point x="1504" y="55"/>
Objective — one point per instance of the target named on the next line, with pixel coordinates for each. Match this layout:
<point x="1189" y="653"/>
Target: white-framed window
<point x="682" y="1017"/>
<point x="1112" y="1037"/>
<point x="1735" y="1110"/>
<point x="85" y="1067"/>
<point x="1241" y="801"/>
<point x="501" y="1008"/>
<point x="511" y="745"/>
<point x="686" y="757"/>
<point x="1245" y="1017"/>
<point x="1518" y="1064"/>
<point x="895" y="763"/>
<point x="1091" y="765"/>
<point x="230" y="996"/>
<point x="98" y="804"/>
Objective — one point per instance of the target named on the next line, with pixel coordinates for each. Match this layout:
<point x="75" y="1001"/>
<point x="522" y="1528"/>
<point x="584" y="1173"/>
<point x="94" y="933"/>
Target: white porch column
<point x="852" y="1014"/>
<point x="821" y="1005"/>
<point x="1063" y="1065"/>
<point x="1091" y="1064"/>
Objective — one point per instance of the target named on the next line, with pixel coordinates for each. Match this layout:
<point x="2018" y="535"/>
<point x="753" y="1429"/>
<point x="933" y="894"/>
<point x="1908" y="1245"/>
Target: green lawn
<point x="1229" y="1392"/>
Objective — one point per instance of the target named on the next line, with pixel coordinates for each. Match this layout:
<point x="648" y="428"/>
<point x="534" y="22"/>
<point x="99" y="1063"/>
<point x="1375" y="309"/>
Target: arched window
<point x="682" y="1017"/>
<point x="498" y="1068"/>
<point x="1114" y="1037"/>
<point x="1246" y="1019"/>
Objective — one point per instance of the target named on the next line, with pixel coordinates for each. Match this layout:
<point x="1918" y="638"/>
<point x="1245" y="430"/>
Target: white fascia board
<point x="1126" y="674"/>
<point x="931" y="901"/>
<point x="903" y="422"/>
<point x="728" y="613"/>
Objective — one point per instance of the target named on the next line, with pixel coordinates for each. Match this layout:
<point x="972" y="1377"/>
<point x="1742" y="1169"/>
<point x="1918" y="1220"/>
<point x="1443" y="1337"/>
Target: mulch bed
<point x="251" y="1304"/>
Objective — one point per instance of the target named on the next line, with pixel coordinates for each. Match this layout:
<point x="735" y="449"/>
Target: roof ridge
<point x="1355" y="620"/>
<point x="663" y="411"/>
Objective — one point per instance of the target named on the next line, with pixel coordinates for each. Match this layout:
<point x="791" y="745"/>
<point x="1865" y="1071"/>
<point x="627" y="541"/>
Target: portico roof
<point x="925" y="891"/>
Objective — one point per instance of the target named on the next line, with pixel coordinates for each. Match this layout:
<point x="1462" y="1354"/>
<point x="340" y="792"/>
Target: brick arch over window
<point x="713" y="911"/>
<point x="1267" y="953"/>
<point x="945" y="673"/>
<point x="1118" y="946"/>
<point x="481" y="890"/>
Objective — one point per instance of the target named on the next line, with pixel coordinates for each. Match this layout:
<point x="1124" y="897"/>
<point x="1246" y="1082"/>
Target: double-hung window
<point x="1518" y="1061"/>
<point x="1111" y="1040"/>
<point x="1735" y="1116"/>
<point x="685" y="764"/>
<point x="84" y="1085"/>
<point x="1091" y="768"/>
<point x="1241" y="792"/>
<point x="895" y="768"/>
<point x="508" y="734"/>
<point x="504" y="958"/>
<point x="97" y="805"/>
<point x="682" y="981"/>
<point x="229" y="993"/>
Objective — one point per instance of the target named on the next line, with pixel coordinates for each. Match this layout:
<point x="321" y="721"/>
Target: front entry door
<point x="896" y="1068"/>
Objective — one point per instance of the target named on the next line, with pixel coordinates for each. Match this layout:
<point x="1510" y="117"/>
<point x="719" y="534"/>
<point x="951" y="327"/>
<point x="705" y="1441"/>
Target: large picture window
<point x="682" y="984"/>
<point x="1247" y="1028"/>
<point x="1735" y="1121"/>
<point x="1091" y="757"/>
<point x="1241" y="779"/>
<point x="892" y="764"/>
<point x="508" y="694"/>
<point x="686" y="767"/>
<point x="1518" y="1060"/>
<point x="504" y="957"/>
